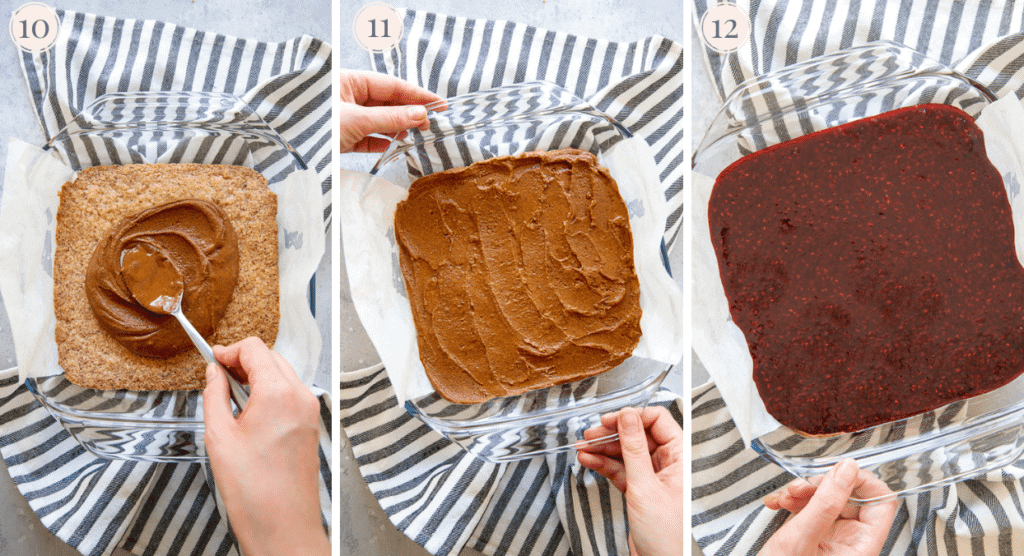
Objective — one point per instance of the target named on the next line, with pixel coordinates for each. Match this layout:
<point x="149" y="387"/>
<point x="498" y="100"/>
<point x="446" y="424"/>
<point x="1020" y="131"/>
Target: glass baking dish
<point x="154" y="127"/>
<point x="961" y="440"/>
<point x="506" y="121"/>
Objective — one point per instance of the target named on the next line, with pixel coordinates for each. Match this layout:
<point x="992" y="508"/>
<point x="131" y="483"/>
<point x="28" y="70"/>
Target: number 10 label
<point x="34" y="27"/>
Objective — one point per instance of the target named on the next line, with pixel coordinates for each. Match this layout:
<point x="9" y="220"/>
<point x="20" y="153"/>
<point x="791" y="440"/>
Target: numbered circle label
<point x="725" y="27"/>
<point x="377" y="27"/>
<point x="34" y="27"/>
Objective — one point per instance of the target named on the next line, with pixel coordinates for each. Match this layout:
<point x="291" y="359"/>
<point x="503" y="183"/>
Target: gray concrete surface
<point x="617" y="20"/>
<point x="21" y="533"/>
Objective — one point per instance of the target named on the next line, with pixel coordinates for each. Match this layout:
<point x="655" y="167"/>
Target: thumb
<point x="216" y="398"/>
<point x="828" y="500"/>
<point x="389" y="119"/>
<point x="635" y="455"/>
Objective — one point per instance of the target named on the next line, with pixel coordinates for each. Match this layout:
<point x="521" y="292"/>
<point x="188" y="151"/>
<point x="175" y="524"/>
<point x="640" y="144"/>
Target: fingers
<point x="636" y="455"/>
<point x="217" y="397"/>
<point x="390" y="119"/>
<point x="793" y="497"/>
<point x="359" y="122"/>
<point x="611" y="447"/>
<point x="659" y="428"/>
<point x="663" y="428"/>
<point x="254" y="361"/>
<point x="374" y="144"/>
<point x="649" y="415"/>
<point x="609" y="468"/>
<point x="829" y="500"/>
<point x="878" y="515"/>
<point x="374" y="89"/>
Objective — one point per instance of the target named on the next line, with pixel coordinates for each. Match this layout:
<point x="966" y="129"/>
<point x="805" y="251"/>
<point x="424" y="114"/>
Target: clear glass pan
<point x="962" y="440"/>
<point x="154" y="127"/>
<point x="497" y="122"/>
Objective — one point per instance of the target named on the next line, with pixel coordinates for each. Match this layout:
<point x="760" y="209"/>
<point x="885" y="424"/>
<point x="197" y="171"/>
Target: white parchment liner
<point x="378" y="291"/>
<point x="720" y="344"/>
<point x="28" y="210"/>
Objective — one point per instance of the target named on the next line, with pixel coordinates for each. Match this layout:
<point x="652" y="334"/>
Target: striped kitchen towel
<point x="430" y="488"/>
<point x="97" y="505"/>
<point x="639" y="84"/>
<point x="287" y="84"/>
<point x="980" y="39"/>
<point x="445" y="499"/>
<point x="985" y="41"/>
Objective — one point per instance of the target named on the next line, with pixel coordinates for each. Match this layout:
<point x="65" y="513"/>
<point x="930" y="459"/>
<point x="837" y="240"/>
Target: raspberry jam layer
<point x="871" y="267"/>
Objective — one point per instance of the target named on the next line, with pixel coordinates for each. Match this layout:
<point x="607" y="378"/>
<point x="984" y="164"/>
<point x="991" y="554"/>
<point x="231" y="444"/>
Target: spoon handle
<point x="238" y="394"/>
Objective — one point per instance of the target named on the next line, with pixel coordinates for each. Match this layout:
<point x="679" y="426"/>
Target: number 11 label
<point x="377" y="27"/>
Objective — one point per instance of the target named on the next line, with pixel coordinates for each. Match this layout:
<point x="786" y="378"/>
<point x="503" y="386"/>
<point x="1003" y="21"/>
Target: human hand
<point x="647" y="465"/>
<point x="824" y="523"/>
<point x="265" y="463"/>
<point x="376" y="103"/>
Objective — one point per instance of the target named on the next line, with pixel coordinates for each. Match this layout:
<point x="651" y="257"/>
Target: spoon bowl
<point x="156" y="284"/>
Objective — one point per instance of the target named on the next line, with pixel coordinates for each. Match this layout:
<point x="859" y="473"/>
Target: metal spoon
<point x="157" y="285"/>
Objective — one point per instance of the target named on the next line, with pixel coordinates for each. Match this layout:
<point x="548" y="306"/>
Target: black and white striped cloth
<point x="433" y="491"/>
<point x="638" y="84"/>
<point x="977" y="38"/>
<point x="287" y="83"/>
<point x="985" y="41"/>
<point x="445" y="499"/>
<point x="96" y="505"/>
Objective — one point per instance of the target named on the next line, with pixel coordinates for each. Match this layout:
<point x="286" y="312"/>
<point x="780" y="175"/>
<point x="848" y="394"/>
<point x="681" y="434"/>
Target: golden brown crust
<point x="98" y="199"/>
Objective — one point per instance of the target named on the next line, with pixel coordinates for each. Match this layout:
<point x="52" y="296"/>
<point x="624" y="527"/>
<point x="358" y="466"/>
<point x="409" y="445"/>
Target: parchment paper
<point x="28" y="210"/>
<point x="721" y="345"/>
<point x="378" y="292"/>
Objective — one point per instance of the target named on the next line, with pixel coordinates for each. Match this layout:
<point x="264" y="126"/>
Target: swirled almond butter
<point x="519" y="272"/>
<point x="198" y="239"/>
<point x="95" y="203"/>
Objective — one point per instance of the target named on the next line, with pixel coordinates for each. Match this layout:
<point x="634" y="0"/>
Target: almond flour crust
<point x="96" y="201"/>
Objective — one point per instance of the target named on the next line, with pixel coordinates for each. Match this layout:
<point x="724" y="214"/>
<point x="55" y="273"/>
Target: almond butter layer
<point x="198" y="240"/>
<point x="99" y="198"/>
<point x="519" y="272"/>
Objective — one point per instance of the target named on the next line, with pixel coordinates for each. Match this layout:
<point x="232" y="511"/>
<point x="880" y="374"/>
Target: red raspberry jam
<point x="871" y="267"/>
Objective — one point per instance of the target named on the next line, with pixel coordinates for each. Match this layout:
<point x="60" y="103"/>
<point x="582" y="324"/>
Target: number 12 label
<point x="725" y="27"/>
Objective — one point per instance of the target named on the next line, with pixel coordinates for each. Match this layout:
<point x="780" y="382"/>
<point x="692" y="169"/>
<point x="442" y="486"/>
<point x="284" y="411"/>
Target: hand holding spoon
<point x="157" y="285"/>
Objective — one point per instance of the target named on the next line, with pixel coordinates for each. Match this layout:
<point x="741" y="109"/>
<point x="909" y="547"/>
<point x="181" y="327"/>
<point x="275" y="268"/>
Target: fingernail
<point x="770" y="498"/>
<point x="211" y="371"/>
<point x="846" y="471"/>
<point x="629" y="420"/>
<point x="416" y="113"/>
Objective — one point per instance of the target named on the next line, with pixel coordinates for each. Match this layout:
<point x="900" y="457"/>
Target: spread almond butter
<point x="519" y="272"/>
<point x="199" y="241"/>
